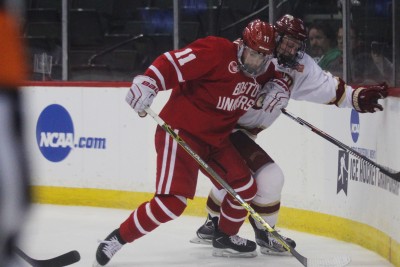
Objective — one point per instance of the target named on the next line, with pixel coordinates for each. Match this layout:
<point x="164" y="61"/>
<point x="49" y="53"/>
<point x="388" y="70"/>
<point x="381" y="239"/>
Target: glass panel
<point x="42" y="33"/>
<point x="108" y="46"/>
<point x="371" y="46"/>
<point x="370" y="53"/>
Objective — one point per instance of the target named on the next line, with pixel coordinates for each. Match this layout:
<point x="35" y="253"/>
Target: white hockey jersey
<point x="310" y="83"/>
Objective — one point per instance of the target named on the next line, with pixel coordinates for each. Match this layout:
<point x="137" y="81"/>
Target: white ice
<point x="53" y="230"/>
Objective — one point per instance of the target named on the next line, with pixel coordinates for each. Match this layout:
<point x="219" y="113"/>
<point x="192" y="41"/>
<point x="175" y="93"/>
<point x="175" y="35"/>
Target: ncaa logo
<point x="55" y="133"/>
<point x="354" y="125"/>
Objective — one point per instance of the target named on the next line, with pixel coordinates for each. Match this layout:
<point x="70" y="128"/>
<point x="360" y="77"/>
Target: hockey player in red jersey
<point x="307" y="81"/>
<point x="214" y="81"/>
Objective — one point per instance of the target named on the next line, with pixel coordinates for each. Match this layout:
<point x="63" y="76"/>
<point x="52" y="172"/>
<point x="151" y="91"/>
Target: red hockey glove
<point x="365" y="99"/>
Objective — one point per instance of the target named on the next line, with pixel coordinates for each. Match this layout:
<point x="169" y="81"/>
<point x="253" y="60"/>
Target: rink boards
<point x="86" y="146"/>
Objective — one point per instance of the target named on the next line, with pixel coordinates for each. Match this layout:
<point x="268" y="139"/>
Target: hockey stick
<point x="331" y="262"/>
<point x="394" y="175"/>
<point x="59" y="261"/>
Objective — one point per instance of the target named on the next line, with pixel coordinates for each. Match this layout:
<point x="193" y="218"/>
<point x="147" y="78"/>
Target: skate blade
<point x="197" y="240"/>
<point x="229" y="253"/>
<point x="269" y="252"/>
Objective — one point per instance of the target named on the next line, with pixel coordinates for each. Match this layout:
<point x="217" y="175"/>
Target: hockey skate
<point x="231" y="246"/>
<point x="269" y="245"/>
<point x="108" y="248"/>
<point x="205" y="233"/>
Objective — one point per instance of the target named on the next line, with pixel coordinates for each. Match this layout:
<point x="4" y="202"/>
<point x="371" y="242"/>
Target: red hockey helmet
<point x="256" y="47"/>
<point x="259" y="36"/>
<point x="290" y="29"/>
<point x="291" y="26"/>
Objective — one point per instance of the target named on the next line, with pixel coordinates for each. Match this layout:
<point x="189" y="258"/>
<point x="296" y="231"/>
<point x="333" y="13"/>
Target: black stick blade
<point x="59" y="261"/>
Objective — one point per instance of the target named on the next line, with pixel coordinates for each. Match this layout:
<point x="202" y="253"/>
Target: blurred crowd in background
<point x="111" y="48"/>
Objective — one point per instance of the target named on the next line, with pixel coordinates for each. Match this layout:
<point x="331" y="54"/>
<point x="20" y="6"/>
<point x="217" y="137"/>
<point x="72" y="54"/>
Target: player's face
<point x="289" y="46"/>
<point x="254" y="61"/>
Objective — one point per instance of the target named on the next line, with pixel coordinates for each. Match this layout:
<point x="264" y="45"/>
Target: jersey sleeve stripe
<point x="341" y="100"/>
<point x="340" y="93"/>
<point x="178" y="72"/>
<point x="159" y="76"/>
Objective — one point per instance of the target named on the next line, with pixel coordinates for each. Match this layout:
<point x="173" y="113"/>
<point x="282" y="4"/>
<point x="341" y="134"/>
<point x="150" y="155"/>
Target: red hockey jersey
<point x="210" y="92"/>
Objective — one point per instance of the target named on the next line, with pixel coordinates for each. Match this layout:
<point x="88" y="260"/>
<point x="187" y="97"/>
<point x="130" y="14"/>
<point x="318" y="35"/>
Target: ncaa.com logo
<point x="354" y="125"/>
<point x="55" y="134"/>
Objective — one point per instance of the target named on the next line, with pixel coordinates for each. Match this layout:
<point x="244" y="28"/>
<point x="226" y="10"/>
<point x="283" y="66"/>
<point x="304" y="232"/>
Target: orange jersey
<point x="12" y="56"/>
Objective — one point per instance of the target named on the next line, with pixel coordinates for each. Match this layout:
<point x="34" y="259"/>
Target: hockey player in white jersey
<point x="305" y="80"/>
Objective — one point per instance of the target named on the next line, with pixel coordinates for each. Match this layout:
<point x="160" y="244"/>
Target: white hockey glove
<point x="277" y="96"/>
<point x="141" y="94"/>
